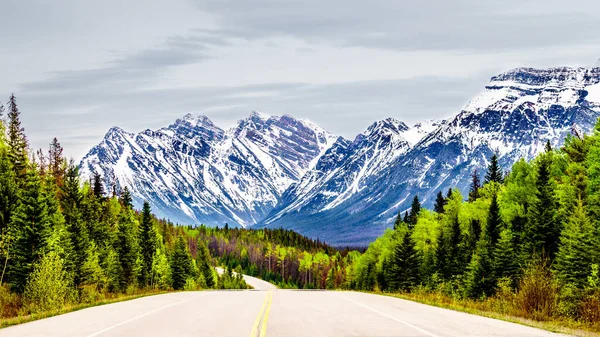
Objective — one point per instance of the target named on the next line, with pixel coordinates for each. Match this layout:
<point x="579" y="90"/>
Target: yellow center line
<point x="263" y="327"/>
<point x="256" y="327"/>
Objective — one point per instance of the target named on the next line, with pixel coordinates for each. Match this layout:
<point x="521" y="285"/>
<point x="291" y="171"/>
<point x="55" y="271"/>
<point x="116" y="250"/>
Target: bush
<point x="538" y="292"/>
<point x="9" y="303"/>
<point x="47" y="287"/>
<point x="589" y="308"/>
<point x="89" y="293"/>
<point x="190" y="285"/>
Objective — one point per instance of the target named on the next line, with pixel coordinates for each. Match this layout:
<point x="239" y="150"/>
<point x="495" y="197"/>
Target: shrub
<point x="190" y="285"/>
<point x="538" y="292"/>
<point x="9" y="302"/>
<point x="47" y="287"/>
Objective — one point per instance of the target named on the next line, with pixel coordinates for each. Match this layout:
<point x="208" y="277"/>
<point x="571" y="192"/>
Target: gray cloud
<point x="412" y="25"/>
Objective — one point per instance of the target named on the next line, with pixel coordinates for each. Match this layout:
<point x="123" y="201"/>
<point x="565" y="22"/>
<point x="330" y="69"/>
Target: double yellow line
<point x="259" y="329"/>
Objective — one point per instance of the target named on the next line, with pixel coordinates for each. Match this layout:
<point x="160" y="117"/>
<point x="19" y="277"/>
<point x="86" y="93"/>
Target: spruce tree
<point x="494" y="222"/>
<point x="415" y="208"/>
<point x="494" y="172"/>
<point x="405" y="264"/>
<point x="440" y="202"/>
<point x="543" y="230"/>
<point x="71" y="203"/>
<point x="405" y="220"/>
<point x="475" y="186"/>
<point x="474" y="234"/>
<point x="56" y="162"/>
<point x="8" y="186"/>
<point x="147" y="243"/>
<point x="579" y="248"/>
<point x="398" y="221"/>
<point x="455" y="256"/>
<point x="126" y="198"/>
<point x="127" y="247"/>
<point x="33" y="226"/>
<point x="203" y="261"/>
<point x="98" y="185"/>
<point x="505" y="256"/>
<point x="17" y="141"/>
<point x="479" y="277"/>
<point x="180" y="264"/>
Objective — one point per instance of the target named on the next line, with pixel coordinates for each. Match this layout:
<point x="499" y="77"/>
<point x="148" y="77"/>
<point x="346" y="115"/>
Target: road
<point x="266" y="311"/>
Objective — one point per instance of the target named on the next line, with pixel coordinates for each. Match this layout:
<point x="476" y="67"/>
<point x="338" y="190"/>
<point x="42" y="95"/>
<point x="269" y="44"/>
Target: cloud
<point x="414" y="25"/>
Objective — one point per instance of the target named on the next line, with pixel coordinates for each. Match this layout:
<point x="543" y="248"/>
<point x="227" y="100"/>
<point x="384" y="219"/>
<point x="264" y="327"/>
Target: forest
<point x="524" y="242"/>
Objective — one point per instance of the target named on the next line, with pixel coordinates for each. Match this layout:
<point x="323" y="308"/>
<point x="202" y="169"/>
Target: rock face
<point x="352" y="199"/>
<point x="194" y="172"/>
<point x="284" y="172"/>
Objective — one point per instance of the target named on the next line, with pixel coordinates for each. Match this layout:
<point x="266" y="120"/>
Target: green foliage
<point x="180" y="265"/>
<point x="405" y="264"/>
<point x="148" y="245"/>
<point x="47" y="287"/>
<point x="494" y="172"/>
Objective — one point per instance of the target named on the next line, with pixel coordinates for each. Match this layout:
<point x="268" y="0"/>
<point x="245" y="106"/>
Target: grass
<point x="5" y="322"/>
<point x="481" y="308"/>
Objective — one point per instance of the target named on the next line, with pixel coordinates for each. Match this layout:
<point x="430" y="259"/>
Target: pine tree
<point x="71" y="203"/>
<point x="415" y="208"/>
<point x="17" y="141"/>
<point x="33" y="226"/>
<point x="405" y="264"/>
<point x="127" y="247"/>
<point x="479" y="278"/>
<point x="441" y="254"/>
<point x="56" y="162"/>
<point x="494" y="222"/>
<point x="98" y="185"/>
<point x="548" y="146"/>
<point x="505" y="256"/>
<point x="180" y="264"/>
<point x="8" y="186"/>
<point x="455" y="256"/>
<point x="203" y="261"/>
<point x="440" y="202"/>
<point x="579" y="248"/>
<point x="449" y="194"/>
<point x="398" y="221"/>
<point x="405" y="220"/>
<point x="475" y="186"/>
<point x="147" y="243"/>
<point x="126" y="198"/>
<point x="474" y="234"/>
<point x="543" y="230"/>
<point x="494" y="173"/>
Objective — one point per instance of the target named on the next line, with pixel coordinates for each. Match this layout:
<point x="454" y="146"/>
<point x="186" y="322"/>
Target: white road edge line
<point x="388" y="316"/>
<point x="142" y="315"/>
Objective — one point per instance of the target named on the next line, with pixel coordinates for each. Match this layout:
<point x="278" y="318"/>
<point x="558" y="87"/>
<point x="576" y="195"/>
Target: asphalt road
<point x="266" y="311"/>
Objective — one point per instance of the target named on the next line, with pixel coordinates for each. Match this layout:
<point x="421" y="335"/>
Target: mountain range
<point x="279" y="171"/>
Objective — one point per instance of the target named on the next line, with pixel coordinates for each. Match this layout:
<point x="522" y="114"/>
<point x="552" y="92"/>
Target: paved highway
<point x="266" y="311"/>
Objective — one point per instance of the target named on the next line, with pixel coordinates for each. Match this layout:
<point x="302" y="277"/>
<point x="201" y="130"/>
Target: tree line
<point x="65" y="240"/>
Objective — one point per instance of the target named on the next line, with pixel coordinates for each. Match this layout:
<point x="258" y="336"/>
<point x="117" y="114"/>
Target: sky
<point x="79" y="67"/>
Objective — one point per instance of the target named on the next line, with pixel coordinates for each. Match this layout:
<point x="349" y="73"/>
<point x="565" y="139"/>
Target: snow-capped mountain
<point x="194" y="172"/>
<point x="514" y="116"/>
<point x="284" y="172"/>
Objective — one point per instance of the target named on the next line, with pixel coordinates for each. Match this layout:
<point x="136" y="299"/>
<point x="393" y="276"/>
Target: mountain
<point x="284" y="172"/>
<point x="355" y="190"/>
<point x="194" y="172"/>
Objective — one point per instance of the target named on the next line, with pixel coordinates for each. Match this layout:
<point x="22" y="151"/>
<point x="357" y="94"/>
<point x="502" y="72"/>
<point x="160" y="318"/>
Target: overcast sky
<point x="79" y="67"/>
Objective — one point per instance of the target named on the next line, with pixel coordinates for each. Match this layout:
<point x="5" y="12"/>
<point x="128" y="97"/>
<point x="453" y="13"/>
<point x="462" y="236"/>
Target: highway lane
<point x="266" y="311"/>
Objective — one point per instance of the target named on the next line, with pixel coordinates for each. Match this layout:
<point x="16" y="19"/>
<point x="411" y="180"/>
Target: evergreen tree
<point x="147" y="243"/>
<point x="126" y="198"/>
<point x="71" y="204"/>
<point x="441" y="254"/>
<point x="449" y="194"/>
<point x="8" y="186"/>
<point x="494" y="222"/>
<point x="405" y="220"/>
<point x="479" y="278"/>
<point x="505" y="256"/>
<point x="579" y="248"/>
<point x="440" y="202"/>
<point x="33" y="226"/>
<point x="180" y="264"/>
<point x="474" y="234"/>
<point x="542" y="230"/>
<point x="203" y="261"/>
<point x="127" y="248"/>
<point x="455" y="249"/>
<point x="98" y="185"/>
<point x="56" y="162"/>
<point x="494" y="173"/>
<point x="17" y="141"/>
<point x="475" y="186"/>
<point x="548" y="146"/>
<point x="415" y="208"/>
<point x="405" y="264"/>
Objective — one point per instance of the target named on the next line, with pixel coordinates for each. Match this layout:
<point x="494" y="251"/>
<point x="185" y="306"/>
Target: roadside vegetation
<point x="67" y="243"/>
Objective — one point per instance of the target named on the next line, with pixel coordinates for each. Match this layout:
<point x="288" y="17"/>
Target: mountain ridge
<point x="279" y="171"/>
